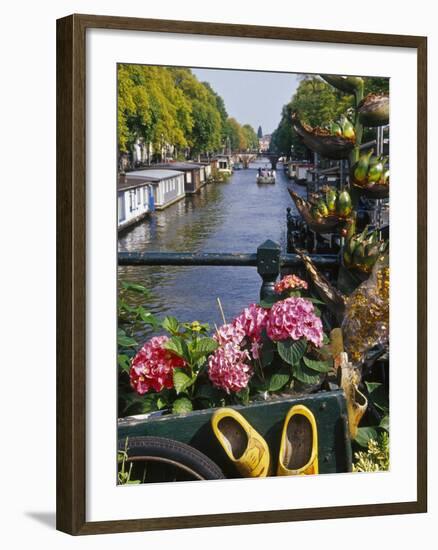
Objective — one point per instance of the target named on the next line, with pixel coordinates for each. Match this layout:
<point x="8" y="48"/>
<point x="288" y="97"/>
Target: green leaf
<point x="268" y="302"/>
<point x="364" y="435"/>
<point x="315" y="301"/>
<point x="371" y="386"/>
<point x="267" y="353"/>
<point x="304" y="374"/>
<point x="178" y="346"/>
<point x="135" y="287"/>
<point x="259" y="385"/>
<point x="182" y="380"/>
<point x="243" y="395"/>
<point x="204" y="347"/>
<point x="161" y="403"/>
<point x="126" y="342"/>
<point x="206" y="391"/>
<point x="319" y="366"/>
<point x="384" y="423"/>
<point x="125" y="307"/>
<point x="124" y="362"/>
<point x="182" y="405"/>
<point x="278" y="381"/>
<point x="291" y="351"/>
<point x="170" y="324"/>
<point x="149" y="405"/>
<point x="377" y="395"/>
<point x="147" y="317"/>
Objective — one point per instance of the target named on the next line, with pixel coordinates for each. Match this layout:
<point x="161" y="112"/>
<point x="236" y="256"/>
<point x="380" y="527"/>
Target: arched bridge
<point x="246" y="158"/>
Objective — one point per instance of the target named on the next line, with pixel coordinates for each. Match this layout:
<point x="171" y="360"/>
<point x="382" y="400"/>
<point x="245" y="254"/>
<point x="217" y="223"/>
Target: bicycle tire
<point x="175" y="453"/>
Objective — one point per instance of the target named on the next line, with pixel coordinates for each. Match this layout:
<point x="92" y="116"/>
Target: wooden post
<point x="268" y="267"/>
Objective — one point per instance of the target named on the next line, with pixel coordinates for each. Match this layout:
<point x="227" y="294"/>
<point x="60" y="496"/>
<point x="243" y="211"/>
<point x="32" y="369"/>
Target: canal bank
<point x="235" y="216"/>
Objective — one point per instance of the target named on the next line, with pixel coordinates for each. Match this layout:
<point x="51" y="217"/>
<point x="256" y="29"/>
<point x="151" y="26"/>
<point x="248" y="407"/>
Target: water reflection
<point x="231" y="217"/>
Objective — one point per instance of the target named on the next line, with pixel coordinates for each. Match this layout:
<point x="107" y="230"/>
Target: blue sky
<point x="252" y="97"/>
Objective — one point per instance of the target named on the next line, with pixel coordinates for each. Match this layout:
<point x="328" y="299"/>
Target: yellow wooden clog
<point x="244" y="446"/>
<point x="299" y="443"/>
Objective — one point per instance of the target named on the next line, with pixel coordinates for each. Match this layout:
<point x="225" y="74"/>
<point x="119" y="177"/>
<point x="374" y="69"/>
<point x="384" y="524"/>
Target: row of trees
<point x="168" y="105"/>
<point x="317" y="103"/>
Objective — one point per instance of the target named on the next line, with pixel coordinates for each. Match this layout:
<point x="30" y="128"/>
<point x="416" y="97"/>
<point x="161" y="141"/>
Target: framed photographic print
<point x="241" y="229"/>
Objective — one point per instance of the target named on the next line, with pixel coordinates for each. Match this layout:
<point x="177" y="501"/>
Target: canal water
<point x="236" y="216"/>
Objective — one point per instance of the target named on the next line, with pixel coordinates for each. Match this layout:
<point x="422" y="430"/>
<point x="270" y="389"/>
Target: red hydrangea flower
<point x="294" y="318"/>
<point x="152" y="367"/>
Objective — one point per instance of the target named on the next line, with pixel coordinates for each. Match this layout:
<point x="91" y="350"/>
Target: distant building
<point x="264" y="143"/>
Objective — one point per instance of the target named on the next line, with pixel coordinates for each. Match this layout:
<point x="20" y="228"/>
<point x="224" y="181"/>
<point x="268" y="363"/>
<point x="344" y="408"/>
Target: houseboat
<point x="298" y="171"/>
<point x="194" y="174"/>
<point x="168" y="185"/>
<point x="208" y="169"/>
<point x="214" y="163"/>
<point x="225" y="164"/>
<point x="135" y="200"/>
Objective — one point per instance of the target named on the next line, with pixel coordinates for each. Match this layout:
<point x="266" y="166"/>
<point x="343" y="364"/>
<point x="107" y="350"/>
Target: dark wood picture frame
<point x="71" y="270"/>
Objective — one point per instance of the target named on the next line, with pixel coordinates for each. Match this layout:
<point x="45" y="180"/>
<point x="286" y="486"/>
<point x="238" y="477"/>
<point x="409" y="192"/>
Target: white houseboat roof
<point x="125" y="183"/>
<point x="180" y="166"/>
<point x="155" y="174"/>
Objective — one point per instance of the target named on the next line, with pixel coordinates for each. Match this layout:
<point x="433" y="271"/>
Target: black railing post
<point x="268" y="267"/>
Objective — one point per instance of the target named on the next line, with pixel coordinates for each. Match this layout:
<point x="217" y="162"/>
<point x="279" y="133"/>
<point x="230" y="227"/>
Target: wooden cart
<point x="267" y="417"/>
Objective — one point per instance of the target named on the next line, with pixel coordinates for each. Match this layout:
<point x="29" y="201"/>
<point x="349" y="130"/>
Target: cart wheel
<point x="158" y="459"/>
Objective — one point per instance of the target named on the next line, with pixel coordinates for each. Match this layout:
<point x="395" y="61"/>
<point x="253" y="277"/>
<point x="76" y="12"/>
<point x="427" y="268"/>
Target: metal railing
<point x="268" y="260"/>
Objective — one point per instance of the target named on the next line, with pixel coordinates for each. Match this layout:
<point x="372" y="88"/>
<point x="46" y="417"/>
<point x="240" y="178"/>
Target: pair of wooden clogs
<point x="248" y="450"/>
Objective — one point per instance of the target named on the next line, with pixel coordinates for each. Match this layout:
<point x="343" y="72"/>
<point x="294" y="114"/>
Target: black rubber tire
<point x="174" y="451"/>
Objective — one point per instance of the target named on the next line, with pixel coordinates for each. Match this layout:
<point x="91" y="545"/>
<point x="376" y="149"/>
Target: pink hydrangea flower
<point x="256" y="346"/>
<point x="290" y="282"/>
<point x="152" y="367"/>
<point x="252" y="320"/>
<point x="294" y="318"/>
<point x="228" y="368"/>
<point x="231" y="332"/>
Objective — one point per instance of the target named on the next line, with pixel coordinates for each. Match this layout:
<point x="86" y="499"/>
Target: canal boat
<point x="135" y="200"/>
<point x="265" y="176"/>
<point x="208" y="169"/>
<point x="298" y="171"/>
<point x="194" y="174"/>
<point x="168" y="185"/>
<point x="224" y="164"/>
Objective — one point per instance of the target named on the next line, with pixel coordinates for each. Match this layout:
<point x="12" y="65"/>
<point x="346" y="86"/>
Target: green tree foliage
<point x="234" y="134"/>
<point x="376" y="84"/>
<point x="152" y="107"/>
<point x="317" y="103"/>
<point x="240" y="138"/>
<point x="251" y="139"/>
<point x="169" y="105"/>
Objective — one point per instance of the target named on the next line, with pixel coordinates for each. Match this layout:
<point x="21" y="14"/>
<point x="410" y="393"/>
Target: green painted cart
<point x="267" y="417"/>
